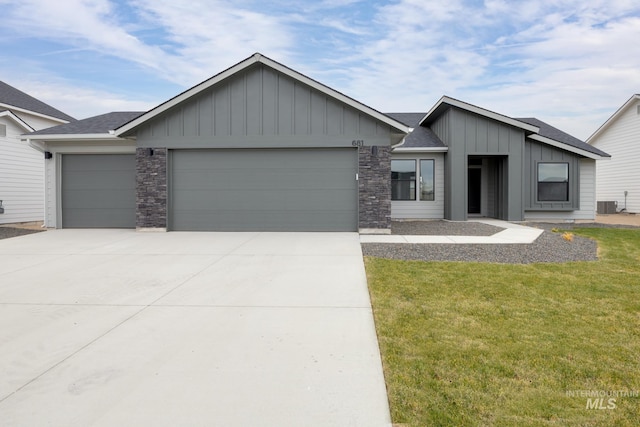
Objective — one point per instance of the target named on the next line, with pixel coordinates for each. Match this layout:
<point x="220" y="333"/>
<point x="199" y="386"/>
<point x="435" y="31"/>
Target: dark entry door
<point x="474" y="188"/>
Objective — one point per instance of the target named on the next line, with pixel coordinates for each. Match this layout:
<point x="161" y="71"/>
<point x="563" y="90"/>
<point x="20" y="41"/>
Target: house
<point x="619" y="179"/>
<point x="263" y="147"/>
<point x="21" y="166"/>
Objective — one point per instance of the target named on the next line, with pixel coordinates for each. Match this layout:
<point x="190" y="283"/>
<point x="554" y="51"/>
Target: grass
<point x="511" y="345"/>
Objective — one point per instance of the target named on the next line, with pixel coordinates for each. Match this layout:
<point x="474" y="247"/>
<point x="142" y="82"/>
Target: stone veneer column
<point x="374" y="188"/>
<point x="151" y="188"/>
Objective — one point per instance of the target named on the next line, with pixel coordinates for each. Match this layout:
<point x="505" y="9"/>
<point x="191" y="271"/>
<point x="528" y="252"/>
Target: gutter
<point x="40" y="146"/>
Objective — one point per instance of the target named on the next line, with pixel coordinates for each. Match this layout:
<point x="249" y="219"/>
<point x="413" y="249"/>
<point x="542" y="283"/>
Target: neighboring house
<point x="21" y="166"/>
<point x="263" y="147"/>
<point x="619" y="179"/>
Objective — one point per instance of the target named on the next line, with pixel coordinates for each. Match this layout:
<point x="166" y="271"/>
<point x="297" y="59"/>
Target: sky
<point x="570" y="63"/>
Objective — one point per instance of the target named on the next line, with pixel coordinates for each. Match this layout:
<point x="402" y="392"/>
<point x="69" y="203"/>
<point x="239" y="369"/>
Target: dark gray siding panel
<point x="536" y="153"/>
<point x="264" y="190"/>
<point x="98" y="190"/>
<point x="265" y="109"/>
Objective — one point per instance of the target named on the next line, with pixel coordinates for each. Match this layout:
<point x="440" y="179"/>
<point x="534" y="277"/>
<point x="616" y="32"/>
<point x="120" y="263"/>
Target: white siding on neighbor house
<point x="622" y="173"/>
<point x="21" y="177"/>
<point x="587" y="209"/>
<point x="417" y="209"/>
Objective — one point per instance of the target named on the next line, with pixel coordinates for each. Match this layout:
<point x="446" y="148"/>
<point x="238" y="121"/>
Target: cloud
<point x="567" y="62"/>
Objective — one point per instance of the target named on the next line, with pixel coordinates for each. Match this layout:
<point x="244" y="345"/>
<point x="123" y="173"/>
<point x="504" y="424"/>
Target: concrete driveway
<point x="118" y="328"/>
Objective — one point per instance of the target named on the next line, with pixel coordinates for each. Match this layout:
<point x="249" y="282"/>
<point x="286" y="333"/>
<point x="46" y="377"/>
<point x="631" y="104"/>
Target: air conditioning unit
<point x="607" y="207"/>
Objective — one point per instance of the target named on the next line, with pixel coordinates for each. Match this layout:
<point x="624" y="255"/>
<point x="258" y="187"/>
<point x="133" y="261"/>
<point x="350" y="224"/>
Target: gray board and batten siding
<point x="98" y="191"/>
<point x="467" y="134"/>
<point x="261" y="150"/>
<point x="537" y="152"/>
<point x="262" y="108"/>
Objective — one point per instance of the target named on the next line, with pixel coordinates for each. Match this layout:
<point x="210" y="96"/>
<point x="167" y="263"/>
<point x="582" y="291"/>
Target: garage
<point x="284" y="189"/>
<point x="98" y="191"/>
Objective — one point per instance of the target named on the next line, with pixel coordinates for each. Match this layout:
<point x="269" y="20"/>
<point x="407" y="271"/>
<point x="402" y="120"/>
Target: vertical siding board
<point x="237" y="105"/>
<point x="254" y="101"/>
<point x="221" y="111"/>
<point x="334" y="118"/>
<point x="482" y="136"/>
<point x="205" y="115"/>
<point x="190" y="119"/>
<point x="285" y="106"/>
<point x="302" y="107"/>
<point x="350" y="121"/>
<point x="318" y="113"/>
<point x="367" y="125"/>
<point x="269" y="102"/>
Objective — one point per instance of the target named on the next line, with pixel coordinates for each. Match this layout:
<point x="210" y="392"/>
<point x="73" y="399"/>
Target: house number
<point x="357" y="143"/>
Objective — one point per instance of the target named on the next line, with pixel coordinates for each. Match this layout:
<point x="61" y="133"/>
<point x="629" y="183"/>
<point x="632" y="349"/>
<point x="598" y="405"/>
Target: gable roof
<point x="24" y="125"/>
<point x="103" y="124"/>
<point x="534" y="129"/>
<point x="126" y="129"/>
<point x="12" y="98"/>
<point x="421" y="137"/>
<point x="446" y="102"/>
<point x="614" y="117"/>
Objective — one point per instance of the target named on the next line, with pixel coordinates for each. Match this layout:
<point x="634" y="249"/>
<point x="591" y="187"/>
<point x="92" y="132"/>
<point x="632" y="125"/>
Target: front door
<point x="474" y="186"/>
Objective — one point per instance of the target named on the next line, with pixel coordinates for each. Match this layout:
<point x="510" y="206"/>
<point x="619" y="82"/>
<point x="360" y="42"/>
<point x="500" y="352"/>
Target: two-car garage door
<point x="311" y="189"/>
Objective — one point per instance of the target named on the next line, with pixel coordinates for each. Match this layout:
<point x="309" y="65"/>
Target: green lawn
<point x="512" y="345"/>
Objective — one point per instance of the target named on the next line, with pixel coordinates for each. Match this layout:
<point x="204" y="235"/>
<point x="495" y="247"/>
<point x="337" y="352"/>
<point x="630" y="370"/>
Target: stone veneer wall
<point x="151" y="188"/>
<point x="374" y="187"/>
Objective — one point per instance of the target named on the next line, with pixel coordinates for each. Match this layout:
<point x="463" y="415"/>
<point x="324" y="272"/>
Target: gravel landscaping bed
<point x="549" y="247"/>
<point x="6" y="232"/>
<point x="443" y="228"/>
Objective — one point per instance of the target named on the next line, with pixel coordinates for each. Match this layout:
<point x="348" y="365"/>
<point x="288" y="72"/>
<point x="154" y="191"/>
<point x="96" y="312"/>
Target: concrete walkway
<point x="512" y="233"/>
<point x="118" y="328"/>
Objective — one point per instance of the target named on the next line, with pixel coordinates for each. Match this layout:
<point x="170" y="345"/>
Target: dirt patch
<point x="621" y="219"/>
<point x="7" y="232"/>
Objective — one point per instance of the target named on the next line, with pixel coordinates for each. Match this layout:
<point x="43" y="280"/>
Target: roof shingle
<point x="92" y="125"/>
<point x="11" y="96"/>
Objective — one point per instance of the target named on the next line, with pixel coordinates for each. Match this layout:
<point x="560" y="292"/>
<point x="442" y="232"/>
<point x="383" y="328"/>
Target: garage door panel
<point x="280" y="200"/>
<point x="280" y="189"/>
<point x="98" y="180"/>
<point x="258" y="221"/>
<point x="98" y="191"/>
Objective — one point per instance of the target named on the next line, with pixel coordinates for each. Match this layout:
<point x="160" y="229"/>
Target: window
<point x="403" y="179"/>
<point x="427" y="189"/>
<point x="3" y="130"/>
<point x="553" y="182"/>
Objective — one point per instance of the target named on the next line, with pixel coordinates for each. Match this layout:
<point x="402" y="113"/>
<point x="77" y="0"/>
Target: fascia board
<point x="275" y="65"/>
<point x="613" y="118"/>
<point x="481" y="112"/>
<point x="566" y="147"/>
<point x="33" y="113"/>
<point x="24" y="125"/>
<point x="420" y="150"/>
<point x="75" y="137"/>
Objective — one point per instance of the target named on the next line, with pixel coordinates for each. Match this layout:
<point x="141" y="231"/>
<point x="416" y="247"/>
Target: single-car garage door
<point x="98" y="190"/>
<point x="264" y="190"/>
